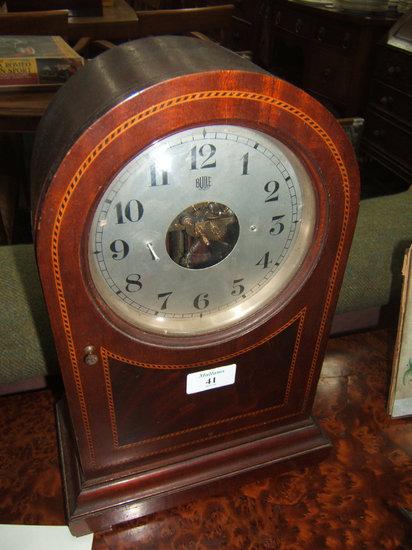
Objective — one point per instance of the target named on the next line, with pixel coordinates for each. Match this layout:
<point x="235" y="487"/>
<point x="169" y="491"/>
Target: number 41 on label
<point x="210" y="379"/>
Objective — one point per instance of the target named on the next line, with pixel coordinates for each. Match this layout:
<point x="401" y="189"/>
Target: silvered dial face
<point x="201" y="229"/>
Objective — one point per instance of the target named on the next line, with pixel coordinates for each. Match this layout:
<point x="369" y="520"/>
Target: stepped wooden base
<point x="95" y="505"/>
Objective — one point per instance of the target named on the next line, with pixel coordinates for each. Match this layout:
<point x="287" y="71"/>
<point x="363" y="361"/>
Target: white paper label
<point x="210" y="379"/>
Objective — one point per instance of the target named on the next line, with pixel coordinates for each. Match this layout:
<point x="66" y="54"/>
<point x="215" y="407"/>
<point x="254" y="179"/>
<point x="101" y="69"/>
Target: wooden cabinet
<point x="388" y="129"/>
<point x="326" y="51"/>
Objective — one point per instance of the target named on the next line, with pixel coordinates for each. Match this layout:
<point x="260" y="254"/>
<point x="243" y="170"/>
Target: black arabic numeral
<point x="265" y="261"/>
<point x="278" y="226"/>
<point x="166" y="296"/>
<point x="245" y="160"/>
<point x="208" y="150"/>
<point x="201" y="301"/>
<point x="272" y="187"/>
<point x="133" y="282"/>
<point x="133" y="211"/>
<point x="238" y="289"/>
<point x="154" y="181"/>
<point x="120" y="249"/>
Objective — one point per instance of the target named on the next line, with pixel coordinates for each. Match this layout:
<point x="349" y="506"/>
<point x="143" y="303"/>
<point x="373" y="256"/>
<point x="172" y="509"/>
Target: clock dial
<point x="201" y="229"/>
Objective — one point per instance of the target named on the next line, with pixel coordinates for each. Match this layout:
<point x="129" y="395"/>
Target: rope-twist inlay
<point x="106" y="355"/>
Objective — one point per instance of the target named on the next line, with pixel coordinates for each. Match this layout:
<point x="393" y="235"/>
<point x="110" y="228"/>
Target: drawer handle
<point x="386" y="100"/>
<point x="379" y="134"/>
<point x="394" y="70"/>
<point x="321" y="34"/>
<point x="346" y="41"/>
<point x="298" y="26"/>
<point x="326" y="73"/>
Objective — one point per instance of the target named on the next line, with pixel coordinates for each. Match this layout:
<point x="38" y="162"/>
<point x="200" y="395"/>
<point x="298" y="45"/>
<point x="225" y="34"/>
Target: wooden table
<point x="21" y="111"/>
<point x="354" y="498"/>
<point x="118" y="22"/>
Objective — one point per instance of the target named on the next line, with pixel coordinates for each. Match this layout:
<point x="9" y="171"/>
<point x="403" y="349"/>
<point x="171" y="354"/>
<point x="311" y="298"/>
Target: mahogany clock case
<point x="133" y="441"/>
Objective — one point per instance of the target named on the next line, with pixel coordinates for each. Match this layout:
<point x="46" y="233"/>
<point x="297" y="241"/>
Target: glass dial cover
<point x="201" y="229"/>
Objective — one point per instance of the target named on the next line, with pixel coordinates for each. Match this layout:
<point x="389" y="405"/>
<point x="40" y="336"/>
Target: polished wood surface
<point x="324" y="49"/>
<point x="352" y="499"/>
<point x="22" y="111"/>
<point x="118" y="22"/>
<point x="37" y="23"/>
<point x="77" y="7"/>
<point x="215" y="21"/>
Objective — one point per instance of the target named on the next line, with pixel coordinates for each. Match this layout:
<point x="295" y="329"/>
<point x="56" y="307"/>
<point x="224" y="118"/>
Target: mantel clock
<point x="192" y="224"/>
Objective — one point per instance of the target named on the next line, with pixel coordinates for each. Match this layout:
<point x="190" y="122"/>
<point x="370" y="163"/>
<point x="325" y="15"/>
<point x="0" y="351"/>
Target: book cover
<point x="400" y="397"/>
<point x="36" y="62"/>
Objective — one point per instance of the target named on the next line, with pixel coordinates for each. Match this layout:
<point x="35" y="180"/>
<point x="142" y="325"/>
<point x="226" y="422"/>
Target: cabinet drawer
<point x="343" y="37"/>
<point x="321" y="30"/>
<point x="328" y="74"/>
<point x="393" y="102"/>
<point x="394" y="68"/>
<point x="387" y="136"/>
<point x="294" y="22"/>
